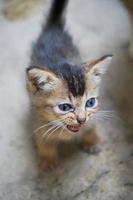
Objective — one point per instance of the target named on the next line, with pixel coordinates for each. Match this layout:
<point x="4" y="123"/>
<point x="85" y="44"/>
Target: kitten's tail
<point x="55" y="17"/>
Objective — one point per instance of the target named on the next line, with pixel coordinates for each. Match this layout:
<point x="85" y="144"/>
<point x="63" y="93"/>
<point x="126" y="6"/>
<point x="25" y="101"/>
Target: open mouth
<point x="74" y="128"/>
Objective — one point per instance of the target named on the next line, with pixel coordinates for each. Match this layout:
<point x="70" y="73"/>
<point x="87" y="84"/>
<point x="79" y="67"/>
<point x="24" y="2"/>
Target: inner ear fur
<point x="104" y="61"/>
<point x="97" y="68"/>
<point x="40" y="78"/>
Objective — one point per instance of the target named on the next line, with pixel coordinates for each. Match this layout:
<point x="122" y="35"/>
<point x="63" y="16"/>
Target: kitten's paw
<point x="95" y="149"/>
<point x="92" y="149"/>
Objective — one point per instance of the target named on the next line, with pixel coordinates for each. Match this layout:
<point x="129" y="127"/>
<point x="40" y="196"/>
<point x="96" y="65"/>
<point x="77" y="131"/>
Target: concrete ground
<point x="98" y="28"/>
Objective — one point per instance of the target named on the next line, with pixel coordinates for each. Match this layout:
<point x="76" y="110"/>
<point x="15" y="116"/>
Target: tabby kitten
<point x="64" y="92"/>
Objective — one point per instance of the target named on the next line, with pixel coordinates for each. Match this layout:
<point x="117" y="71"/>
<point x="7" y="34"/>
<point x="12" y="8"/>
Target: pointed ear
<point x="41" y="79"/>
<point x="97" y="68"/>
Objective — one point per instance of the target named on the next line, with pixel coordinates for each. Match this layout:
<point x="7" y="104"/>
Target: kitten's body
<point x="54" y="46"/>
<point x="63" y="91"/>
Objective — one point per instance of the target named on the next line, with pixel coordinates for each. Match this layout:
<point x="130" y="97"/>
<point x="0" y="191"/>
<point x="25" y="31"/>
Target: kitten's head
<point x="67" y="95"/>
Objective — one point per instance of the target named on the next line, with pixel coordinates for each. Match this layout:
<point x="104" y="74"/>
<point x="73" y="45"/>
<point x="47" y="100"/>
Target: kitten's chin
<point x="74" y="128"/>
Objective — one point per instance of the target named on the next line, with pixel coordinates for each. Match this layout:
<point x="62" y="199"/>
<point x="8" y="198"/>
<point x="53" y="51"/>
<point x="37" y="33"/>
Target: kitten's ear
<point x="97" y="68"/>
<point x="41" y="79"/>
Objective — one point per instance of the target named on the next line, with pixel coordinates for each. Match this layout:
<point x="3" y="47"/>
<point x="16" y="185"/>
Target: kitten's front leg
<point x="47" y="152"/>
<point x="47" y="156"/>
<point x="89" y="141"/>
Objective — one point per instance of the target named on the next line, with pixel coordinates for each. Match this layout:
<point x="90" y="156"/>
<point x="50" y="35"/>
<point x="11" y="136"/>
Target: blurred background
<point x="98" y="28"/>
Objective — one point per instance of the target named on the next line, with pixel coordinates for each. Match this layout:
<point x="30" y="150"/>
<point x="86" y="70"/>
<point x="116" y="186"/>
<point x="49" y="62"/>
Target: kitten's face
<point x="54" y="101"/>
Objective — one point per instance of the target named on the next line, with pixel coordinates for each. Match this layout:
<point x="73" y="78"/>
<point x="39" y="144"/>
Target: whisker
<point x="111" y="111"/>
<point x="50" y="129"/>
<point x="108" y="115"/>
<point x="50" y="134"/>
<point x="96" y="120"/>
<point x="61" y="131"/>
<point x="45" y="133"/>
<point x="54" y="126"/>
<point x="102" y="116"/>
<point x="45" y="125"/>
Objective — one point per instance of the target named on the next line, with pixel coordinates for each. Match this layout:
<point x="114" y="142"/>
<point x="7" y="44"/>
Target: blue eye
<point x="65" y="107"/>
<point x="90" y="102"/>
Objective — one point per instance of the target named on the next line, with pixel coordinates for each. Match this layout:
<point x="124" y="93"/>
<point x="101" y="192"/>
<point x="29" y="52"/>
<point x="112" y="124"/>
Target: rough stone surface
<point x="98" y="27"/>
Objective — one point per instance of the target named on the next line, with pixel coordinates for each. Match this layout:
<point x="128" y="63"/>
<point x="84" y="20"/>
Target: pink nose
<point x="81" y="120"/>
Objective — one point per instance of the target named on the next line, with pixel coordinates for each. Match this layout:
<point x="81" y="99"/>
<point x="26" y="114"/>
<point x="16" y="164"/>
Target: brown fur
<point x="18" y="9"/>
<point x="128" y="4"/>
<point x="47" y="90"/>
<point x="89" y="139"/>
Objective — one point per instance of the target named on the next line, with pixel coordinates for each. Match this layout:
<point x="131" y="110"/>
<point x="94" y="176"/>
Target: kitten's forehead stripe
<point x="73" y="76"/>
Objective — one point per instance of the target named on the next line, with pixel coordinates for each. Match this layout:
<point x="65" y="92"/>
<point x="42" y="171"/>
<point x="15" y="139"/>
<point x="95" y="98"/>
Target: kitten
<point x="64" y="92"/>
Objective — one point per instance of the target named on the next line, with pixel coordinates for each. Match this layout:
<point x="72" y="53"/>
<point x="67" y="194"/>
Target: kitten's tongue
<point x="74" y="128"/>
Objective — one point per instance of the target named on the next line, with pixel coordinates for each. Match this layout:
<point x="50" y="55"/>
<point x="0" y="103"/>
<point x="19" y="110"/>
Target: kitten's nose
<point x="81" y="120"/>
